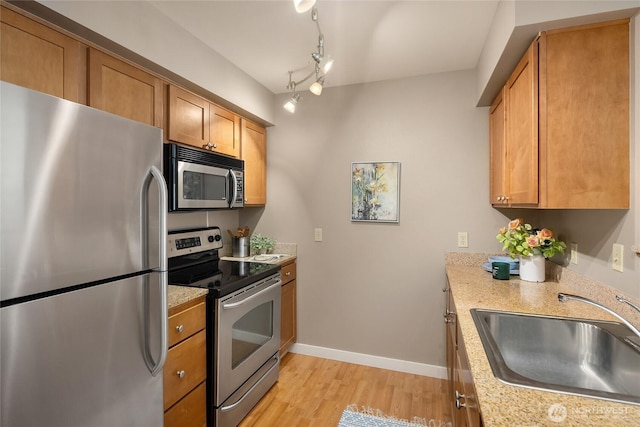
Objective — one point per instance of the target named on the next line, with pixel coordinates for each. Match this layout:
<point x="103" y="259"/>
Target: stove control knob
<point x="210" y="239"/>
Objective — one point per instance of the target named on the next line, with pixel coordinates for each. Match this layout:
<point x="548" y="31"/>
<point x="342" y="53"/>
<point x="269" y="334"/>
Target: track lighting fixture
<point x="321" y="63"/>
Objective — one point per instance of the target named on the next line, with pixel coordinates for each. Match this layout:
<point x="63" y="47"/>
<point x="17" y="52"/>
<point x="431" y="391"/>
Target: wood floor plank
<point x="313" y="392"/>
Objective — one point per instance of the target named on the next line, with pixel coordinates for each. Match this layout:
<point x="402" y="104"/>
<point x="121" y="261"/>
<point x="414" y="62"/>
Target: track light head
<point x="303" y="5"/>
<point x="316" y="87"/>
<point x="290" y="105"/>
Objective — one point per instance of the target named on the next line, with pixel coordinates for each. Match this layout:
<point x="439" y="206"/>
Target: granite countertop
<point x="180" y="294"/>
<point x="506" y="405"/>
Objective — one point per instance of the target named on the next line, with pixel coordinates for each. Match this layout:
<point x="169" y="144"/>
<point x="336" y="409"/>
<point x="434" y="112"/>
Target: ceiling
<point x="369" y="40"/>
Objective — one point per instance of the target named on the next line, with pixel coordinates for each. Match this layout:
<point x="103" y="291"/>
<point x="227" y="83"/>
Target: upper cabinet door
<point x="123" y="89"/>
<point x="188" y="118"/>
<point x="521" y="93"/>
<point x="224" y="131"/>
<point x="584" y="117"/>
<point x="37" y="57"/>
<point x="499" y="184"/>
<point x="254" y="154"/>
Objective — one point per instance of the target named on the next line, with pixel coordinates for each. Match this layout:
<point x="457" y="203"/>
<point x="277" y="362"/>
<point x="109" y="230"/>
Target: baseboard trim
<point x="369" y="360"/>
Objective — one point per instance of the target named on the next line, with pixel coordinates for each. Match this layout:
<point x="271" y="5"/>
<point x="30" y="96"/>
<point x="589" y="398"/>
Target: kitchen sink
<point x="582" y="357"/>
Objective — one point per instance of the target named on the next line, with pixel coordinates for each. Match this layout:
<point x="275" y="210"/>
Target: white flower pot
<point x="532" y="268"/>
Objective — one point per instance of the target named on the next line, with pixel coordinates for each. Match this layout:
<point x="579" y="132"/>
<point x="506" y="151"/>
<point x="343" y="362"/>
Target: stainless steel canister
<point x="240" y="246"/>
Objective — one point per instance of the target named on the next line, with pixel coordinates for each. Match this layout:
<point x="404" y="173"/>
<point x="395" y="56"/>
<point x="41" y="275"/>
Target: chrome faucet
<point x="626" y="301"/>
<point x="568" y="297"/>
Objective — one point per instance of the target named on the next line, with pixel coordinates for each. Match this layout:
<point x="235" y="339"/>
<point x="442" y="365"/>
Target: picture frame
<point x="375" y="192"/>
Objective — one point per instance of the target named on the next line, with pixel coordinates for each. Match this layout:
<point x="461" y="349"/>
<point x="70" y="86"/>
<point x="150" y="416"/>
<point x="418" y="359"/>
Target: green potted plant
<point x="261" y="244"/>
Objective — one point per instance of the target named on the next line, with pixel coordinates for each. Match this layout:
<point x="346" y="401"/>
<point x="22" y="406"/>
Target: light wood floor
<point x="313" y="392"/>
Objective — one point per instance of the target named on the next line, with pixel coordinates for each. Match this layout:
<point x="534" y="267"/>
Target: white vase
<point x="532" y="268"/>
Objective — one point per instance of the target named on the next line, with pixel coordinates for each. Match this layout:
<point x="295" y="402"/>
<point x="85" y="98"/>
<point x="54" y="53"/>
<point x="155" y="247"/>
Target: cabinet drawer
<point x="190" y="411"/>
<point x="186" y="323"/>
<point x="185" y="368"/>
<point x="288" y="272"/>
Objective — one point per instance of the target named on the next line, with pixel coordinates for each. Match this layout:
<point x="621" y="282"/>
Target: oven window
<point x="202" y="186"/>
<point x="250" y="332"/>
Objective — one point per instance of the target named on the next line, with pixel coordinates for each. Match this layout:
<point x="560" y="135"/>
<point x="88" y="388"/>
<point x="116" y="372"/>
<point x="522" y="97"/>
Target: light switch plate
<point x="617" y="257"/>
<point x="317" y="235"/>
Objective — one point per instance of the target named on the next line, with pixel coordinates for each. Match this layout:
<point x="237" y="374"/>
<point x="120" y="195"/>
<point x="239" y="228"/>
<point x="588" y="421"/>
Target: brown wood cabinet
<point x="195" y="121"/>
<point x="188" y="118"/>
<point x="224" y="131"/>
<point x="288" y="307"/>
<point x="254" y="153"/>
<point x="35" y="56"/>
<point x="464" y="406"/>
<point x="122" y="89"/>
<point x="563" y="142"/>
<point x="185" y="370"/>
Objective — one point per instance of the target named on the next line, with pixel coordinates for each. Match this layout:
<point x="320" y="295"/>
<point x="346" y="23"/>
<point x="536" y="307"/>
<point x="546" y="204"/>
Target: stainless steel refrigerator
<point x="83" y="308"/>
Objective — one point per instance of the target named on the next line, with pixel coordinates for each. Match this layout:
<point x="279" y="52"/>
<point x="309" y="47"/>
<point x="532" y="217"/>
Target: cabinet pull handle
<point x="180" y="328"/>
<point x="459" y="405"/>
<point x="448" y="316"/>
<point x="181" y="374"/>
<point x="288" y="273"/>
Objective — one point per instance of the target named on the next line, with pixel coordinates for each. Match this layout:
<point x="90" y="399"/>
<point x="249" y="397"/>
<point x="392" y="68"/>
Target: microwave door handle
<point x="234" y="180"/>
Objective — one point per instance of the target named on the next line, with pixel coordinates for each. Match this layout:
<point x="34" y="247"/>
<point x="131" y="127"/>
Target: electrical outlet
<point x="574" y="253"/>
<point x="463" y="239"/>
<point x="617" y="257"/>
<point x="317" y="234"/>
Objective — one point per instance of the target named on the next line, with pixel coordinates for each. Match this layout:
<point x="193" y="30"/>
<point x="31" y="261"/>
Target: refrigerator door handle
<point x="156" y="367"/>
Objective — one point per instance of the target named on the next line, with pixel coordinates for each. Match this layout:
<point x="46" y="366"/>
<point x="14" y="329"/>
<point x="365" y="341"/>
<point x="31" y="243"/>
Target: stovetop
<point x="194" y="261"/>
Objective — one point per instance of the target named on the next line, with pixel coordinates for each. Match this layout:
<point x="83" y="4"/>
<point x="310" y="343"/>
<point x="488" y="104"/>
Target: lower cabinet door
<point x="190" y="411"/>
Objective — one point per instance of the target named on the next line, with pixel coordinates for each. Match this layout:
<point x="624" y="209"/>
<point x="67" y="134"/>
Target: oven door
<point x="247" y="334"/>
<point x="204" y="187"/>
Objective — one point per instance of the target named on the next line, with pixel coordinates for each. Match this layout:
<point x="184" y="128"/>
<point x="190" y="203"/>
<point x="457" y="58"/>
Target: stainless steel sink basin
<point x="582" y="357"/>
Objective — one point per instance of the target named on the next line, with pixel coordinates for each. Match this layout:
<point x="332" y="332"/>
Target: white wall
<point x="376" y="288"/>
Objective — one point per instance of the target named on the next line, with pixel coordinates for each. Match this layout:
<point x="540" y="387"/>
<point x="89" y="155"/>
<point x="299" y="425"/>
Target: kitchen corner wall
<point x="377" y="288"/>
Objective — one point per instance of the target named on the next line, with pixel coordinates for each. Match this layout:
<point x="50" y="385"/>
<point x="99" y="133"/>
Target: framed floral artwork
<point x="375" y="191"/>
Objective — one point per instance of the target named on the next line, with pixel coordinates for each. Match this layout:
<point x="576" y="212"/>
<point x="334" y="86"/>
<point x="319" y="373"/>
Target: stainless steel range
<point x="243" y="321"/>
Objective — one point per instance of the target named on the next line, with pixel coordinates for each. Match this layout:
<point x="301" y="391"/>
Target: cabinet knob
<point x="180" y="374"/>
<point x="180" y="328"/>
<point x="459" y="405"/>
<point x="288" y="273"/>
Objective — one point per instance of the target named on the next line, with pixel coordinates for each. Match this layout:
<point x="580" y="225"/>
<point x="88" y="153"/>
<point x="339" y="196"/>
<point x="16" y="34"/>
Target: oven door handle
<point x="276" y="357"/>
<point x="228" y="306"/>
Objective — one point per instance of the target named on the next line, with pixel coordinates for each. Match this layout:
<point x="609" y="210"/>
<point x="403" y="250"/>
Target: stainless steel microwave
<point x="199" y="179"/>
